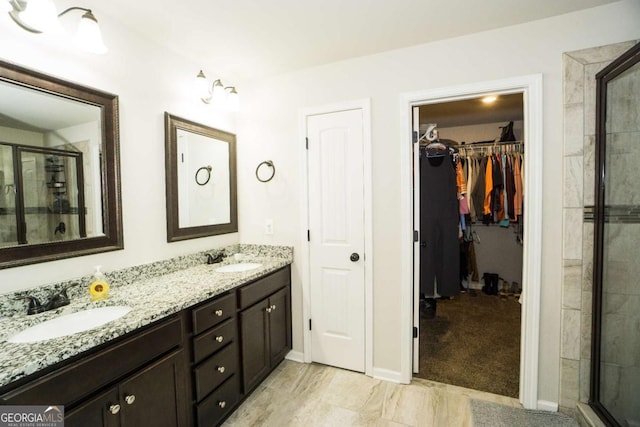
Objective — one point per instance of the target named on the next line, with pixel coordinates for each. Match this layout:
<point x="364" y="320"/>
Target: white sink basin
<point x="70" y="324"/>
<point x="236" y="268"/>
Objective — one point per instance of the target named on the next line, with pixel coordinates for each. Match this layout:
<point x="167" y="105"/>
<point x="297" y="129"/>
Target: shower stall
<point x="615" y="364"/>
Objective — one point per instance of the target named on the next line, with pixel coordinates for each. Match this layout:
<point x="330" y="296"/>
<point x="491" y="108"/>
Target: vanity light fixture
<point x="41" y="16"/>
<point x="216" y="93"/>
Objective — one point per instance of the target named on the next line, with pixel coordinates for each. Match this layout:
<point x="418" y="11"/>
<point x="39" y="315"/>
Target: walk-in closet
<point x="470" y="222"/>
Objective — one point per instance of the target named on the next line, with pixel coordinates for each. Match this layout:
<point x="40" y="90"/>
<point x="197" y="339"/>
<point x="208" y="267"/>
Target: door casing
<point x="531" y="87"/>
<point x="365" y="106"/>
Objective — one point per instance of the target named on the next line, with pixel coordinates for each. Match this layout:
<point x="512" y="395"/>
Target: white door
<point x="336" y="238"/>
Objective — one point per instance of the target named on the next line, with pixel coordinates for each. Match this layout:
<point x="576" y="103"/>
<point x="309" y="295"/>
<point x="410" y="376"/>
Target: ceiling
<point x="473" y="111"/>
<point x="250" y="39"/>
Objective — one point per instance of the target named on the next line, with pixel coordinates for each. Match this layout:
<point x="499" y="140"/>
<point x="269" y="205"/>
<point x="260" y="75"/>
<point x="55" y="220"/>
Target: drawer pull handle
<point x="222" y="404"/>
<point x="221" y="369"/>
<point x="130" y="399"/>
<point x="219" y="338"/>
<point x="114" y="409"/>
<point x="218" y="313"/>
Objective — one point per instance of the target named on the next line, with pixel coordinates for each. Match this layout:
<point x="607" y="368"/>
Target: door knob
<point x="354" y="257"/>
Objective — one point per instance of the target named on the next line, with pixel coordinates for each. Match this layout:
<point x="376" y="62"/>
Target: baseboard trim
<point x="387" y="375"/>
<point x="545" y="405"/>
<point x="296" y="356"/>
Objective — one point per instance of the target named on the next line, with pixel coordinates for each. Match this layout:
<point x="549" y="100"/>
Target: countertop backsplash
<point x="10" y="306"/>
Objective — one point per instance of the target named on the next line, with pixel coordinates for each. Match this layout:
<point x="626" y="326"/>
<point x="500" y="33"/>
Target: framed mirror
<point x="59" y="169"/>
<point x="200" y="166"/>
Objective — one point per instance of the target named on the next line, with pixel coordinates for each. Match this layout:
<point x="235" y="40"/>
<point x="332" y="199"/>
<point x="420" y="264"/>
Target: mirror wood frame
<point x="174" y="231"/>
<point x="112" y="239"/>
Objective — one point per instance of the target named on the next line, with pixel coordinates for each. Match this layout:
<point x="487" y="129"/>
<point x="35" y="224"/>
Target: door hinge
<point x="308" y="235"/>
<point x="306" y="141"/>
<point x="309" y="324"/>
<point x="415" y="332"/>
<point x="416" y="235"/>
<point x="414" y="137"/>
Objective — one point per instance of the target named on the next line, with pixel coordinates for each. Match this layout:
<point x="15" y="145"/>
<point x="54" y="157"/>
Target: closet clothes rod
<point x="484" y="147"/>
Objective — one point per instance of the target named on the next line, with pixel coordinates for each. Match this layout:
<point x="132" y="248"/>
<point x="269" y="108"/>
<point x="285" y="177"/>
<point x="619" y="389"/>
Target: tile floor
<point x="298" y="394"/>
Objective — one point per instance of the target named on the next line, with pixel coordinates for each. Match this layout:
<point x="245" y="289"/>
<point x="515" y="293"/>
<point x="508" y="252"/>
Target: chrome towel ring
<point x="267" y="163"/>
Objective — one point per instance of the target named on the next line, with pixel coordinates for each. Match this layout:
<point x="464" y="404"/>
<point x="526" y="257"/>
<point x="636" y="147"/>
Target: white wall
<point x="149" y="80"/>
<point x="269" y="129"/>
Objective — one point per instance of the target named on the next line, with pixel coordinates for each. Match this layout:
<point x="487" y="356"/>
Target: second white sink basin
<point x="70" y="324"/>
<point x="236" y="268"/>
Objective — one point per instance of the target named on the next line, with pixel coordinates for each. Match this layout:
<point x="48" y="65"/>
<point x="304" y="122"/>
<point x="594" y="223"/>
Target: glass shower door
<point x="615" y="388"/>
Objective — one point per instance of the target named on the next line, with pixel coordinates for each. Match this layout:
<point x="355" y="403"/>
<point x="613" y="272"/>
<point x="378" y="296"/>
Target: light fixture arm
<point x="18" y="6"/>
<point x="88" y="13"/>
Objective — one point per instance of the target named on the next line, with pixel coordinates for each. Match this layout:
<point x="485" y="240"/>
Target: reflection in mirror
<point x="59" y="183"/>
<point x="201" y="180"/>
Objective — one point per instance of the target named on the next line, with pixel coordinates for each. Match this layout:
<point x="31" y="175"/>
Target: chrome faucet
<point x="57" y="300"/>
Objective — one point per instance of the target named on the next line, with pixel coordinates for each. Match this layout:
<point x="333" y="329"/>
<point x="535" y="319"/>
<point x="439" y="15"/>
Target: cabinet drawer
<point x="213" y="340"/>
<point x="215" y="407"/>
<point x="262" y="288"/>
<point x="213" y="371"/>
<point x="214" y="312"/>
<point x="76" y="380"/>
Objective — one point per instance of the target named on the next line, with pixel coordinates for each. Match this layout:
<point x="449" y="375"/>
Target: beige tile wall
<point x="580" y="68"/>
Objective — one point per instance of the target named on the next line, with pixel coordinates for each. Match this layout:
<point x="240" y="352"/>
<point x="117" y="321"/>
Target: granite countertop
<point x="150" y="299"/>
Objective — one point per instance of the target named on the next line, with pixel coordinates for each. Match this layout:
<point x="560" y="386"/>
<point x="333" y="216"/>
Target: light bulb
<point x="88" y="37"/>
<point x="41" y="15"/>
<point x="233" y="100"/>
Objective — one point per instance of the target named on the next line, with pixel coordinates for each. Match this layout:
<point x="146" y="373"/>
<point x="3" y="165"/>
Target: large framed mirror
<point x="200" y="180"/>
<point x="59" y="169"/>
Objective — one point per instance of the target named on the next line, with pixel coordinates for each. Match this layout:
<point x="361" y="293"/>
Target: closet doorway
<point x="469" y="187"/>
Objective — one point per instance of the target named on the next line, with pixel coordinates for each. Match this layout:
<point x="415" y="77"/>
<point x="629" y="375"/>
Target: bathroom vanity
<point x="190" y="365"/>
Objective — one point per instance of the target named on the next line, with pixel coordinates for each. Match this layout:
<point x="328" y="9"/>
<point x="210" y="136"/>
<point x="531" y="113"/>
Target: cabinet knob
<point x="130" y="399"/>
<point x="219" y="338"/>
<point x="218" y="313"/>
<point x="268" y="309"/>
<point x="114" y="409"/>
<point x="222" y="404"/>
<point x="273" y="307"/>
<point x="221" y="369"/>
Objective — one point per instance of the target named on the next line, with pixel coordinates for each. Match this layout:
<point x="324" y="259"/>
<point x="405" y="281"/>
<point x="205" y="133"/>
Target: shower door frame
<point x="607" y="74"/>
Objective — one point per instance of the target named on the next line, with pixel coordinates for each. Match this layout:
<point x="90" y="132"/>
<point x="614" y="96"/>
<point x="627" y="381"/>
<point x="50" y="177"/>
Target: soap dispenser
<point x="99" y="288"/>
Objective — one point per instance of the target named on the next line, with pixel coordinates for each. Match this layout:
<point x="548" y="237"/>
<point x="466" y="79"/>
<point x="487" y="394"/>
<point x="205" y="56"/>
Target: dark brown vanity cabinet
<point x="216" y="370"/>
<point x="193" y="368"/>
<point x="138" y="380"/>
<point x="265" y="326"/>
<point x="148" y="397"/>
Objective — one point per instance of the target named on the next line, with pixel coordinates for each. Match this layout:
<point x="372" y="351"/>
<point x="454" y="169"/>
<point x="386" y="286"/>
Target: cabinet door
<point x="279" y="325"/>
<point x="102" y="411"/>
<point x="155" y="395"/>
<point x="254" y="332"/>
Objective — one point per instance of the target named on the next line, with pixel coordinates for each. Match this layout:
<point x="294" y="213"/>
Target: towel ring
<point x="268" y="163"/>
<point x="207" y="176"/>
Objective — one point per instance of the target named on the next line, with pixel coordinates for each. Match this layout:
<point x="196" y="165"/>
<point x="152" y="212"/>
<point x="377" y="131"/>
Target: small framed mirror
<point x="59" y="169"/>
<point x="200" y="164"/>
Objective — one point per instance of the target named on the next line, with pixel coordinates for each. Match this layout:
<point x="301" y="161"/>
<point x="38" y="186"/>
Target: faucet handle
<point x="213" y="260"/>
<point x="35" y="306"/>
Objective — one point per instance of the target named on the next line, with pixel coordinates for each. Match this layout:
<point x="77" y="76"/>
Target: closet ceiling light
<point x="489" y="99"/>
<point x="41" y="16"/>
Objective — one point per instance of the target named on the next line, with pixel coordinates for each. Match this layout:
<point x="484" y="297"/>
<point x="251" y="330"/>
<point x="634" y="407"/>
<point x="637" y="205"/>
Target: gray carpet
<point x="473" y="342"/>
<point x="487" y="414"/>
